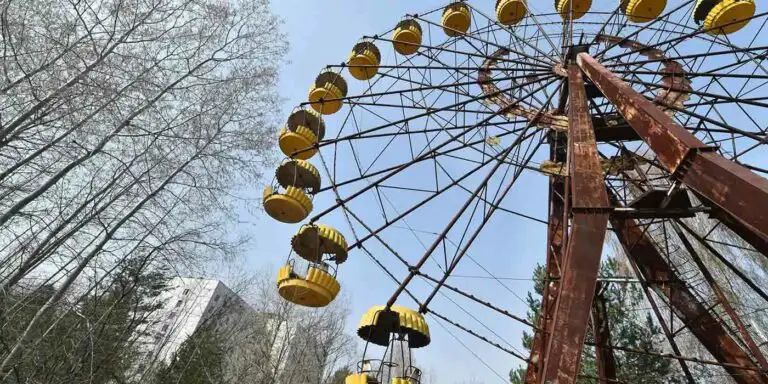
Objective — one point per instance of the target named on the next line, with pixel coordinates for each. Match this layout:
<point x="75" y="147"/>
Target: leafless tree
<point x="127" y="129"/>
<point x="273" y="342"/>
<point x="705" y="236"/>
<point x="308" y="345"/>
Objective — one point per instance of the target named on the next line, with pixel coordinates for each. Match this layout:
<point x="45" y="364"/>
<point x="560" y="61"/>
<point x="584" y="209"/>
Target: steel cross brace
<point x="579" y="269"/>
<point x="739" y="193"/>
<point x="639" y="247"/>
<point x="606" y="361"/>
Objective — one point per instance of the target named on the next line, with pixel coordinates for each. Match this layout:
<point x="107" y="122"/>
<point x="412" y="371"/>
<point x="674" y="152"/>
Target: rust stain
<point x="548" y="119"/>
<point x="671" y="142"/>
<point x="677" y="87"/>
<point x="710" y="332"/>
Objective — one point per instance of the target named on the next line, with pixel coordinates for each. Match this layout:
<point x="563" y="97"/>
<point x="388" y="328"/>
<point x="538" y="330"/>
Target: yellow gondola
<point x="325" y="94"/>
<point x="407" y="37"/>
<point x="289" y="206"/>
<point x="391" y="327"/>
<point x="363" y="62"/>
<point x="289" y="200"/>
<point x="643" y="11"/>
<point x="361" y="378"/>
<point x="580" y="8"/>
<point x="456" y="19"/>
<point x="313" y="241"/>
<point x="304" y="129"/>
<point x="378" y="324"/>
<point x="317" y="289"/>
<point x="722" y="17"/>
<point x="510" y="12"/>
<point x="300" y="174"/>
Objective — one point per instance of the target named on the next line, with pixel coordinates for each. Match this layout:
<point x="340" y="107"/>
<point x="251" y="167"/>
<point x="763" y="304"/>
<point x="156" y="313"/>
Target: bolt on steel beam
<point x="589" y="209"/>
<point x="734" y="189"/>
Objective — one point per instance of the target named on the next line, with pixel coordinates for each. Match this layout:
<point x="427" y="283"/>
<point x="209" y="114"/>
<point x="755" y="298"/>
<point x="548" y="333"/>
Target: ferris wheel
<point x="634" y="116"/>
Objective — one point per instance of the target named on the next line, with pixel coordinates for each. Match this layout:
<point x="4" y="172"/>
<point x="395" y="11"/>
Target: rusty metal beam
<point x="589" y="209"/>
<point x="555" y="247"/>
<point x="664" y="327"/>
<point x="702" y="324"/>
<point x="755" y="240"/>
<point x="606" y="361"/>
<point x="734" y="189"/>
<point x="722" y="299"/>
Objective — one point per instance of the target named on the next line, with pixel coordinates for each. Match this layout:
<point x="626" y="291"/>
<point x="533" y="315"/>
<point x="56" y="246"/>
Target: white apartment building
<point x="258" y="345"/>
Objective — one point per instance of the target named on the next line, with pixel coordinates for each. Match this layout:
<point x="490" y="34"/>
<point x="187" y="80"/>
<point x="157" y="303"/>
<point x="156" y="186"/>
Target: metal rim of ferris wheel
<point x="637" y="115"/>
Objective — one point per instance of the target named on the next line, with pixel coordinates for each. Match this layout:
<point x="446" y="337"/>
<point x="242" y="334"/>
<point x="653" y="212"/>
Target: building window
<point x="186" y="291"/>
<point x="172" y="315"/>
<point x="216" y="298"/>
<point x="165" y="327"/>
<point x="178" y="303"/>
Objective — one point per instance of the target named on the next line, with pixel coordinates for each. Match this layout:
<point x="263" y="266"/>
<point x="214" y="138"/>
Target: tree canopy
<point x="631" y="326"/>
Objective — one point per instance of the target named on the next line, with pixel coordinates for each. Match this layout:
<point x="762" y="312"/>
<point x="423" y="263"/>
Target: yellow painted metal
<point x="403" y="380"/>
<point x="308" y="118"/>
<point x="324" y="95"/>
<point x="364" y="54"/>
<point x="612" y="166"/>
<point x="407" y="37"/>
<point x="580" y="8"/>
<point x="299" y="140"/>
<point x="318" y="289"/>
<point x="315" y="240"/>
<point x="729" y="16"/>
<point x="643" y="11"/>
<point x="552" y="168"/>
<point x="376" y="326"/>
<point x="303" y="130"/>
<point x="322" y="98"/>
<point x="510" y="12"/>
<point x="298" y="173"/>
<point x="456" y="19"/>
<point x="493" y="141"/>
<point x="360" y="378"/>
<point x="291" y="207"/>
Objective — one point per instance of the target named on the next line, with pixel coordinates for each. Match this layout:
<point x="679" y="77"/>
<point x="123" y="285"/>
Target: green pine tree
<point x="91" y="340"/>
<point x="199" y="360"/>
<point x="630" y="327"/>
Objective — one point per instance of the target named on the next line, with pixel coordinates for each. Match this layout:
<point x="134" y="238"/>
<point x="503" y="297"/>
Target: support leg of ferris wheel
<point x="555" y="248"/>
<point x="738" y="194"/>
<point x="589" y="220"/>
<point x="654" y="269"/>
<point x="733" y="189"/>
<point x="606" y="360"/>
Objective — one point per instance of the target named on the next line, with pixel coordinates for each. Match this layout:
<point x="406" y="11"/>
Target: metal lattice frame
<point x="659" y="106"/>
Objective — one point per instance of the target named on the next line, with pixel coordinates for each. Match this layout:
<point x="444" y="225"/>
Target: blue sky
<point x="323" y="32"/>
